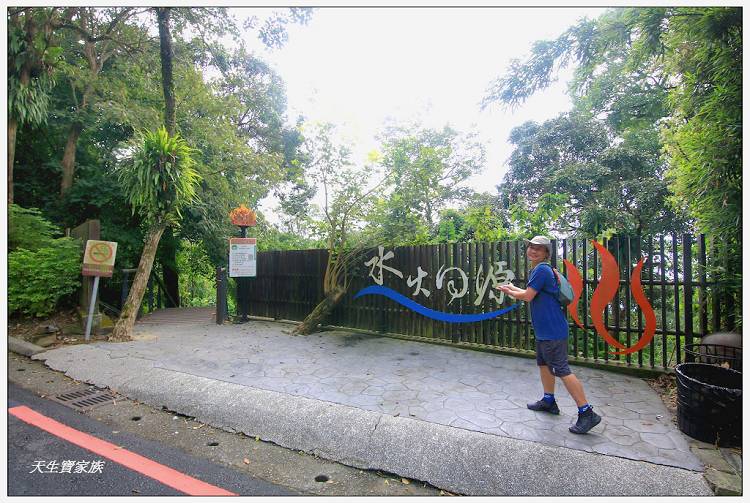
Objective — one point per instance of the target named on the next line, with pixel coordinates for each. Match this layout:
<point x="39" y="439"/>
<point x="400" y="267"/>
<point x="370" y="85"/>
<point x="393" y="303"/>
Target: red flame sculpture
<point x="603" y="295"/>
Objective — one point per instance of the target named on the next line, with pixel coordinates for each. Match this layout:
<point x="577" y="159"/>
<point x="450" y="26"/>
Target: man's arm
<point x="526" y="294"/>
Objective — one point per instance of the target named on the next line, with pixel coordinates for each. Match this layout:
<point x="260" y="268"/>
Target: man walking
<point x="551" y="334"/>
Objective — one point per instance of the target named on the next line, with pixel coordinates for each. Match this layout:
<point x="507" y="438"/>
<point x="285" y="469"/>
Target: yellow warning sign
<point x="99" y="259"/>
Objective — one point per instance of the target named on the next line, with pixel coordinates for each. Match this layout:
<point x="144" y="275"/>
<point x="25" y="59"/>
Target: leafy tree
<point x="347" y="205"/>
<point x="452" y="226"/>
<point x="426" y="168"/>
<point x="703" y="135"/>
<point x="32" y="56"/>
<point x="480" y="219"/>
<point x="93" y="37"/>
<point x="239" y="161"/>
<point x="236" y="121"/>
<point x="198" y="286"/>
<point x="678" y="69"/>
<point x="159" y="181"/>
<point x="486" y="219"/>
<point x="613" y="184"/>
<point x="539" y="218"/>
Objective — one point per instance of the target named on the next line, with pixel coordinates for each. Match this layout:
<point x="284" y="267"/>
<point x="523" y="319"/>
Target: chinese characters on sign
<point x="68" y="466"/>
<point x="456" y="287"/>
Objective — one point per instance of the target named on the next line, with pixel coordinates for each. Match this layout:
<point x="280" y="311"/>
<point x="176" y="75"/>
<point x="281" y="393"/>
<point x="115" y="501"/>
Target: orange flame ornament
<point x="242" y="216"/>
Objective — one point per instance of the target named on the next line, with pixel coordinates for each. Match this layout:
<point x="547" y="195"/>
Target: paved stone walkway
<point x="449" y="386"/>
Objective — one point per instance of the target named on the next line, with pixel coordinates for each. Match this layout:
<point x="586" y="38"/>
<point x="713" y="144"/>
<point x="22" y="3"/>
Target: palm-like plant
<point x="158" y="181"/>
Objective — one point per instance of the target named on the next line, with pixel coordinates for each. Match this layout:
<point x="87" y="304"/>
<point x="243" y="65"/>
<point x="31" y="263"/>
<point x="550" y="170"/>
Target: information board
<point x="242" y="258"/>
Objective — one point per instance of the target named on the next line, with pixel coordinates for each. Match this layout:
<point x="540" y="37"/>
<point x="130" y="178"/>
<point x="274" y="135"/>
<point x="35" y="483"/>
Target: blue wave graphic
<point x="430" y="313"/>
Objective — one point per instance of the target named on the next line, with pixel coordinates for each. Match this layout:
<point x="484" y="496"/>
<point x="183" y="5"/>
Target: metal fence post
<point x="221" y="296"/>
<point x="125" y="288"/>
<point x="150" y="295"/>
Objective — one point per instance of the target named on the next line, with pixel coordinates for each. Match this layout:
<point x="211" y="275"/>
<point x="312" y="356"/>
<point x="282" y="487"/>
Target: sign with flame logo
<point x="603" y="295"/>
<point x="498" y="275"/>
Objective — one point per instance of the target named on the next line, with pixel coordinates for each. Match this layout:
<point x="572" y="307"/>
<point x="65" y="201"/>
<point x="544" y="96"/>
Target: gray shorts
<point x="554" y="354"/>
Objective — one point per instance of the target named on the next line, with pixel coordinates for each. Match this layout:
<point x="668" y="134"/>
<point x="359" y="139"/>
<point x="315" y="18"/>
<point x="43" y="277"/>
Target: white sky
<point x="355" y="67"/>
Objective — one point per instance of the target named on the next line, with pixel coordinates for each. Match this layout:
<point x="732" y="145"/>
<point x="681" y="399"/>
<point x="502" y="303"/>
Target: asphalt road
<point x="299" y="472"/>
<point x="36" y="458"/>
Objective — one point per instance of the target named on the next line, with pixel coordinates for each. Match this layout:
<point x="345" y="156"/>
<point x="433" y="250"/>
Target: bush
<point x="38" y="280"/>
<point x="28" y="229"/>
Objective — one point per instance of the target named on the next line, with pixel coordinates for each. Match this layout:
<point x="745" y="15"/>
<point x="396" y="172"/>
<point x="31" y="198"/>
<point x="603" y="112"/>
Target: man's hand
<point x="509" y="289"/>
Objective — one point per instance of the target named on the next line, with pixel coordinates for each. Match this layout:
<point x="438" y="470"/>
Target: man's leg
<point x="575" y="388"/>
<point x="548" y="380"/>
<point x="547" y="403"/>
<point x="587" y="418"/>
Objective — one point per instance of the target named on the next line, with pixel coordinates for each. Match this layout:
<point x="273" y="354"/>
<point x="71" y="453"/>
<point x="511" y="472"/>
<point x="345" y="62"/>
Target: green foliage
<point x="537" y="219"/>
<point x="28" y="229"/>
<point x="675" y="71"/>
<point x="425" y="170"/>
<point x="39" y="280"/>
<point x="486" y="223"/>
<point x="31" y="57"/>
<point x="160" y="178"/>
<point x="197" y="275"/>
<point x="452" y="227"/>
<point x="272" y="238"/>
<point x="349" y="191"/>
<point x="611" y="183"/>
<point x="703" y="137"/>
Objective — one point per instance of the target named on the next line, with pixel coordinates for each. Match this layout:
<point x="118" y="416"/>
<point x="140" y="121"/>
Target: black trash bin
<point x="709" y="403"/>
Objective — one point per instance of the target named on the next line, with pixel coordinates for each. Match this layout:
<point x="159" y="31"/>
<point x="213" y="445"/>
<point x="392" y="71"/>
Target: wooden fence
<point x="677" y="280"/>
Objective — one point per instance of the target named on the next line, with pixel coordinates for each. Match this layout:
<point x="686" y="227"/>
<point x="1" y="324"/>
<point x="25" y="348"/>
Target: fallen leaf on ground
<point x="405" y="481"/>
<point x="246" y="461"/>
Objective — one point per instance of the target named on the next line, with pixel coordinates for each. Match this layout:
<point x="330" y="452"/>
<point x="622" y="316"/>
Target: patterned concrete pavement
<point x="449" y="386"/>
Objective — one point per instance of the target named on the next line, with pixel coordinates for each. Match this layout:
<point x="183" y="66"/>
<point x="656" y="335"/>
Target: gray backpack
<point x="565" y="293"/>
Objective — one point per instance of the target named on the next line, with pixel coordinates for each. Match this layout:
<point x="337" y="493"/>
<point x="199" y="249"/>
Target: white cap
<point x="540" y="240"/>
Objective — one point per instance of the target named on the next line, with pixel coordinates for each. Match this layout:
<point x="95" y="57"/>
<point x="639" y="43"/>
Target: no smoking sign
<point x="99" y="259"/>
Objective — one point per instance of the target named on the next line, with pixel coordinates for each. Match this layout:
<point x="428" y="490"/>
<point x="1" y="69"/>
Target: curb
<point x="723" y="478"/>
<point x="23" y="347"/>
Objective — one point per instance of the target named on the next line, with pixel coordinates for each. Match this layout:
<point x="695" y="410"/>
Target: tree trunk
<point x="69" y="157"/>
<point x="170" y="275"/>
<point x="321" y="311"/>
<point x="25" y="80"/>
<point x="124" y="327"/>
<point x="167" y="55"/>
<point x="12" y="130"/>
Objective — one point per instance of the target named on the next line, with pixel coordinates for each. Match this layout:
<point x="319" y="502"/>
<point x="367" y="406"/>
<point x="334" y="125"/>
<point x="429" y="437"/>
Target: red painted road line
<point x="136" y="462"/>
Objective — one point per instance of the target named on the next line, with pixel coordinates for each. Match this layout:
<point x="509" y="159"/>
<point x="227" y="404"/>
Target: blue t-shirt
<point x="547" y="316"/>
